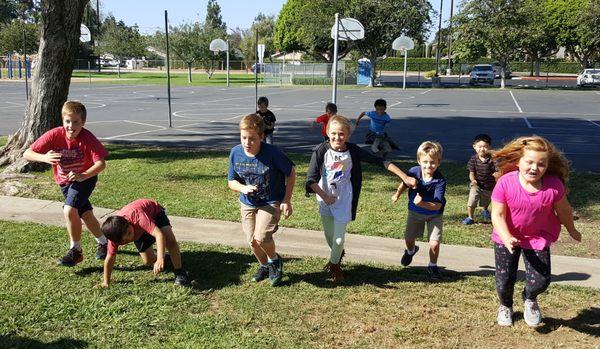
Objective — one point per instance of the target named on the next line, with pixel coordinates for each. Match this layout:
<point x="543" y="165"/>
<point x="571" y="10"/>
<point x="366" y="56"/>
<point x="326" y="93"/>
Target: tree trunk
<point x="189" y="72"/>
<point x="373" y="70"/>
<point x="59" y="24"/>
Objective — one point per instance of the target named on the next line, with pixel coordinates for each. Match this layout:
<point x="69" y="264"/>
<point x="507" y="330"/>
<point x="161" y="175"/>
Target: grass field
<point x="160" y="78"/>
<point x="193" y="183"/>
<point x="47" y="306"/>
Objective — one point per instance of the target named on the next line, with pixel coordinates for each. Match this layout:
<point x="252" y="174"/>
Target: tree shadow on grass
<point x="587" y="321"/>
<point x="12" y="341"/>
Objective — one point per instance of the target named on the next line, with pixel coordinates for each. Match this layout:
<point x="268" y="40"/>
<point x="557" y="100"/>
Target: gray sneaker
<point x="504" y="316"/>
<point x="531" y="313"/>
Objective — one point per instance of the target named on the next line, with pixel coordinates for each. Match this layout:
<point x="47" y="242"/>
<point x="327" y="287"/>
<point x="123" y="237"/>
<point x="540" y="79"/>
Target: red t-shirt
<point x="76" y="155"/>
<point x="140" y="214"/>
<point x="323" y="119"/>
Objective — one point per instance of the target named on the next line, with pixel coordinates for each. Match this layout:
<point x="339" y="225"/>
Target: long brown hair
<point x="507" y="158"/>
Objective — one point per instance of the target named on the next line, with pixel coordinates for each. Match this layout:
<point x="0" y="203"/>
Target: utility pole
<point x="450" y="37"/>
<point x="438" y="50"/>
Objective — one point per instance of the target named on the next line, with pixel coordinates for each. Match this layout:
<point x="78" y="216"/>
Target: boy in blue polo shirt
<point x="425" y="205"/>
<point x="381" y="143"/>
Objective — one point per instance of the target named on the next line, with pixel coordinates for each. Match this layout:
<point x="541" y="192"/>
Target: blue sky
<point x="149" y="15"/>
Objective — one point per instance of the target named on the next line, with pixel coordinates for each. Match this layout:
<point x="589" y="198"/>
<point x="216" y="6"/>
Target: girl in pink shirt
<point x="529" y="206"/>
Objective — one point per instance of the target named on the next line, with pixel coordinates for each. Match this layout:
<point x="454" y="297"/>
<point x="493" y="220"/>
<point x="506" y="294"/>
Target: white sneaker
<point x="504" y="316"/>
<point x="531" y="313"/>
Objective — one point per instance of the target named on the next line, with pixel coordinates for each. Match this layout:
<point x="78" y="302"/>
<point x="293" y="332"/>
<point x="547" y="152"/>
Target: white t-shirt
<point x="335" y="181"/>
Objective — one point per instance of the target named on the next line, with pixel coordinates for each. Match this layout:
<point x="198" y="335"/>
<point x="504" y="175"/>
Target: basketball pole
<point x="168" y="67"/>
<point x="335" y="58"/>
<point x="227" y="63"/>
<point x="256" y="69"/>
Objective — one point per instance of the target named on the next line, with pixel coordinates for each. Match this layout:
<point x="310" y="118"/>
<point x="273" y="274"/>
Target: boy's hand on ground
<point x="101" y="285"/>
<point x="395" y="196"/>
<point x="247" y="189"/>
<point x="52" y="157"/>
<point x="511" y="243"/>
<point x="286" y="209"/>
<point x="329" y="200"/>
<point x="159" y="266"/>
<point x="576" y="235"/>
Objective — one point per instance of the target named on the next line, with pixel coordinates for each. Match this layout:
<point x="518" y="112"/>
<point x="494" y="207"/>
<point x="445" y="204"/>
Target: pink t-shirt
<point x="140" y="214"/>
<point x="323" y="119"/>
<point x="76" y="155"/>
<point x="530" y="216"/>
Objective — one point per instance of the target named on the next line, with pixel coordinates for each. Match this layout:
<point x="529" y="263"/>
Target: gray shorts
<point x="416" y="223"/>
<point x="479" y="196"/>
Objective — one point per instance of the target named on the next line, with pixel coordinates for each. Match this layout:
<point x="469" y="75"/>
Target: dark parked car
<point x="498" y="70"/>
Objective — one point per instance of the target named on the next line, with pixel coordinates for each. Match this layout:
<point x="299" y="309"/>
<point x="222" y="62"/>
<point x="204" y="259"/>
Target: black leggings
<point x="537" y="272"/>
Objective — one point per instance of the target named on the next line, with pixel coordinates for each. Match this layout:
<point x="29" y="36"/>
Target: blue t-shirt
<point x="378" y="122"/>
<point x="432" y="191"/>
<point x="267" y="171"/>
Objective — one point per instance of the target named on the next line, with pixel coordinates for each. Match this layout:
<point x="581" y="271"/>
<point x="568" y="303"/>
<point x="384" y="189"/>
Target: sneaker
<point x="486" y="215"/>
<point x="101" y="251"/>
<point x="531" y="313"/>
<point x="504" y="317"/>
<point x="73" y="257"/>
<point x="468" y="221"/>
<point x="336" y="273"/>
<point x="261" y="274"/>
<point x="182" y="277"/>
<point x="407" y="258"/>
<point x="434" y="272"/>
<point x="276" y="271"/>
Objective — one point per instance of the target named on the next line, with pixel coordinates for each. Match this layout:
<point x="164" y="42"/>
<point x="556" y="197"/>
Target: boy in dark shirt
<point x="482" y="170"/>
<point x="268" y="118"/>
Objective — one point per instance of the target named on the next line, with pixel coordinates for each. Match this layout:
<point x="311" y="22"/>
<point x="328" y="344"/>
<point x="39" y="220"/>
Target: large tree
<point x="60" y="21"/>
<point x="540" y="41"/>
<point x="190" y="42"/>
<point x="11" y="37"/>
<point x="499" y="25"/>
<point x="386" y="20"/>
<point x="305" y="25"/>
<point x="213" y="19"/>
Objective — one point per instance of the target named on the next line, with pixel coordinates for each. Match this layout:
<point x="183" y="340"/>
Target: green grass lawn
<point x="160" y="78"/>
<point x="193" y="183"/>
<point x="48" y="306"/>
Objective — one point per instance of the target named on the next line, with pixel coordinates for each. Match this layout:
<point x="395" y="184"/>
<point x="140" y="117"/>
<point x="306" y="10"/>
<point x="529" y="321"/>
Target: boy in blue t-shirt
<point x="425" y="205"/>
<point x="381" y="144"/>
<point x="264" y="176"/>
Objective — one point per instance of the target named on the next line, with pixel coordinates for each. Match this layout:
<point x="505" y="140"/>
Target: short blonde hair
<point x="253" y="122"/>
<point x="74" y="107"/>
<point x="342" y="120"/>
<point x="431" y="148"/>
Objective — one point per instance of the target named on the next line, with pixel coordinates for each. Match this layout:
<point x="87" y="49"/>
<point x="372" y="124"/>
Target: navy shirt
<point x="432" y="191"/>
<point x="267" y="171"/>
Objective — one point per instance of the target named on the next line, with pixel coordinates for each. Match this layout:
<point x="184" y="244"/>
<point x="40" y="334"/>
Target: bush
<point x="429" y="74"/>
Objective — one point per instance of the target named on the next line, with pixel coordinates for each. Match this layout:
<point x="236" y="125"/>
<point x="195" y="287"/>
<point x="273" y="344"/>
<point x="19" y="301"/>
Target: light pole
<point x="438" y="51"/>
<point x="449" y="70"/>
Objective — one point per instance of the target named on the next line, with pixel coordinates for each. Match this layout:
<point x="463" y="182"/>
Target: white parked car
<point x="588" y="77"/>
<point x="482" y="73"/>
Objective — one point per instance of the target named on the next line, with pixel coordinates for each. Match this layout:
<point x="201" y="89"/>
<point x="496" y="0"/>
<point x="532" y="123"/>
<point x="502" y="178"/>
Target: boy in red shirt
<point x="143" y="222"/>
<point x="77" y="158"/>
<point x="330" y="110"/>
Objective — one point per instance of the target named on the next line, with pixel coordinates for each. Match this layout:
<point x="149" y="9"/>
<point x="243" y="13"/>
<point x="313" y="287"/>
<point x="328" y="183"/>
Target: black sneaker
<point x="101" y="251"/>
<point x="182" y="277"/>
<point x="407" y="258"/>
<point x="276" y="271"/>
<point x="434" y="272"/>
<point x="72" y="258"/>
<point x="261" y="274"/>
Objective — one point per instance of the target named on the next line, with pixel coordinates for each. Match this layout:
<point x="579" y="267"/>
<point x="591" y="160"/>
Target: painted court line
<point x="520" y="110"/>
<point x="594" y="123"/>
<point x="426" y="91"/>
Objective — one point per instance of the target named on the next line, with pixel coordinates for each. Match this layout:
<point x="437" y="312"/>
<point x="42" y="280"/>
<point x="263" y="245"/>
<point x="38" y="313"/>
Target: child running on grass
<point x="529" y="204"/>
<point x="77" y="158"/>
<point x="264" y="176"/>
<point x="426" y="204"/>
<point x="330" y="110"/>
<point x="143" y="222"/>
<point x="335" y="175"/>
<point x="482" y="172"/>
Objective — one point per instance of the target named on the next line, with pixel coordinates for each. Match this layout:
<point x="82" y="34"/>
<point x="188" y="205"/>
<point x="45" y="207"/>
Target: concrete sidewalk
<point x="299" y="242"/>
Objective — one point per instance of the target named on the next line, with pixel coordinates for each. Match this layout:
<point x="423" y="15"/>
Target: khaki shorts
<point x="415" y="226"/>
<point x="478" y="195"/>
<point x="260" y="223"/>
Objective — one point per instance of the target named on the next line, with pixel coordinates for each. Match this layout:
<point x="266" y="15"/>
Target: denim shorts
<point x="77" y="194"/>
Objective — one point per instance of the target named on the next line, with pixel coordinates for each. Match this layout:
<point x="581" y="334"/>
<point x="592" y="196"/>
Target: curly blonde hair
<point x="507" y="158"/>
